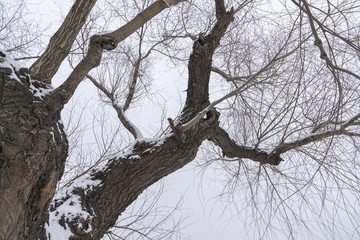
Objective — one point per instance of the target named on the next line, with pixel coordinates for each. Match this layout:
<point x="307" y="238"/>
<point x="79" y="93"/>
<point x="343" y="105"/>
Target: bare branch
<point x="313" y="137"/>
<point x="119" y="109"/>
<point x="230" y="149"/>
<point x="318" y="42"/>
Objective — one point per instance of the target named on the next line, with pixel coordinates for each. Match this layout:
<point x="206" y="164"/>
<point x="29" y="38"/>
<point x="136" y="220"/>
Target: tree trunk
<point x="32" y="155"/>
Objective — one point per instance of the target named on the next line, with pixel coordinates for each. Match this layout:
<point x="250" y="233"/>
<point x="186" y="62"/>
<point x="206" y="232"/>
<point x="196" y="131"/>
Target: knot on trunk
<point x="104" y="42"/>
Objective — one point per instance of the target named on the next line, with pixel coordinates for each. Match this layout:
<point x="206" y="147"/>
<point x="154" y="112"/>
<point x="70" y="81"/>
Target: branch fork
<point x="208" y="118"/>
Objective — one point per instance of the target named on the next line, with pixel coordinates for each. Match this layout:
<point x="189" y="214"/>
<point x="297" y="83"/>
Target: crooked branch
<point x="318" y="41"/>
<point x="119" y="109"/>
<point x="45" y="67"/>
<point x="232" y="150"/>
<point x="341" y="130"/>
<point x="98" y="43"/>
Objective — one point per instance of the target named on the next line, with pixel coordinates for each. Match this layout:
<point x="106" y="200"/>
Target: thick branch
<point x="230" y="149"/>
<point x="220" y="8"/>
<point x="200" y="67"/>
<point x="143" y="17"/>
<point x="246" y="84"/>
<point x="60" y="43"/>
<point x="98" y="43"/>
<point x="123" y="179"/>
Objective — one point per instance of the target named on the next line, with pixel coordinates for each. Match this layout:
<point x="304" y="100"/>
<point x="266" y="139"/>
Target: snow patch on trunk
<point x="15" y="71"/>
<point x="7" y="62"/>
<point x="68" y="208"/>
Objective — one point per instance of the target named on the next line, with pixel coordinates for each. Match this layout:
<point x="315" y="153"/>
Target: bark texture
<point x="33" y="144"/>
<point x="33" y="151"/>
<point x="125" y="178"/>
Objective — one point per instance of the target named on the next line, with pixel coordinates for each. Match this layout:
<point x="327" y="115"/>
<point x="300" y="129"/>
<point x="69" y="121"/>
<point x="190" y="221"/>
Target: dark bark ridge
<point x="200" y="63"/>
<point x="33" y="149"/>
<point x="231" y="149"/>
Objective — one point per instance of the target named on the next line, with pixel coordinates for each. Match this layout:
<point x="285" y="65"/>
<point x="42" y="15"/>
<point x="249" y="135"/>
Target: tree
<point x="289" y="123"/>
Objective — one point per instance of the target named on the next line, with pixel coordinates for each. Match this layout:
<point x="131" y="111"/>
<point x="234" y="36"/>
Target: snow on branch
<point x="118" y="108"/>
<point x="67" y="213"/>
<point x="15" y="71"/>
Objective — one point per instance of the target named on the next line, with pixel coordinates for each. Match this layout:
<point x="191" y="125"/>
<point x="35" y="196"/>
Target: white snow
<point x="156" y="141"/>
<point x="53" y="136"/>
<point x="103" y="33"/>
<point x="40" y="92"/>
<point x="11" y="64"/>
<point x="69" y="209"/>
<point x="137" y="131"/>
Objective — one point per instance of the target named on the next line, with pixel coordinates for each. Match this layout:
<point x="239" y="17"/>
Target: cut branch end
<point x="177" y="130"/>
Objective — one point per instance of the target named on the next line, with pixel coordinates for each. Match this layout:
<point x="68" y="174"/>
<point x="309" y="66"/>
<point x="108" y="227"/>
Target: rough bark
<point x="232" y="150"/>
<point x="33" y="146"/>
<point x="200" y="64"/>
<point x="33" y="151"/>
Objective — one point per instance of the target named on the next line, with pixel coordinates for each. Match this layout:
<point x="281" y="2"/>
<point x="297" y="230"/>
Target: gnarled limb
<point x="232" y="150"/>
<point x="98" y="43"/>
<point x="200" y="65"/>
<point x="33" y="150"/>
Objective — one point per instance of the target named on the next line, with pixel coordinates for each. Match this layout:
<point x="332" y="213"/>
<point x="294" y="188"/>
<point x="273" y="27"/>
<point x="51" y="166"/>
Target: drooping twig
<point x="119" y="110"/>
